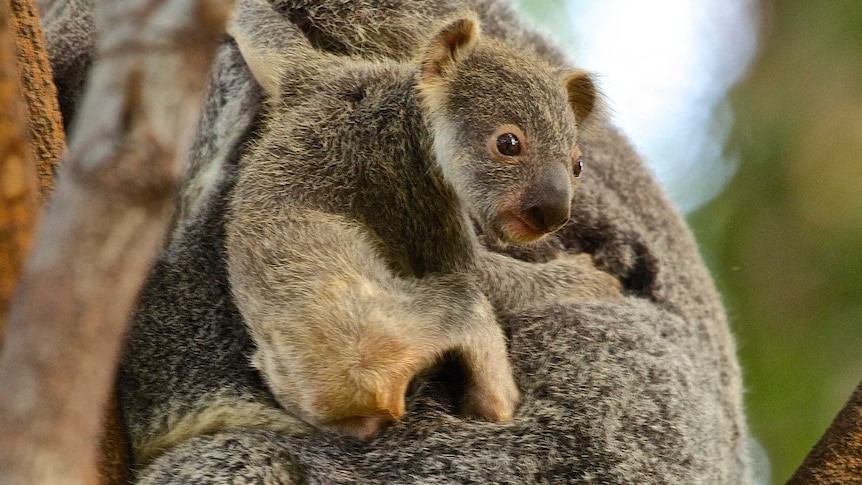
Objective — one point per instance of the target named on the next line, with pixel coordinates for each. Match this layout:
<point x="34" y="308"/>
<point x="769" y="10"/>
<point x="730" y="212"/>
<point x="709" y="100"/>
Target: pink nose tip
<point x="546" y="217"/>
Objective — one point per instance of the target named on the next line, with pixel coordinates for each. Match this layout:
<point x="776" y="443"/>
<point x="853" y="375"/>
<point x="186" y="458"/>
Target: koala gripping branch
<point x="100" y="233"/>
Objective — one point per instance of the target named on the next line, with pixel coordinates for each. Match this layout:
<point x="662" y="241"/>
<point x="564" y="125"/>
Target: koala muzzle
<point x="547" y="204"/>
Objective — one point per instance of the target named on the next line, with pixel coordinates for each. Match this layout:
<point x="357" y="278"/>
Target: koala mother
<point x="645" y="389"/>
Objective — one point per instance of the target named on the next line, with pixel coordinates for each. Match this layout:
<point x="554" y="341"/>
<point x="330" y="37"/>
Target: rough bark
<point x="47" y="142"/>
<point x="837" y="457"/>
<point x="114" y="455"/>
<point x="45" y="123"/>
<point x="18" y="205"/>
<point x="106" y="220"/>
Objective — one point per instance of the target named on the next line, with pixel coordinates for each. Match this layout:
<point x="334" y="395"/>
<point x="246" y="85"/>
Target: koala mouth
<point x="507" y="228"/>
<point x="515" y="229"/>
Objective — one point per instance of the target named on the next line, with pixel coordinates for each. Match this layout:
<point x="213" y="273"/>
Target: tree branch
<point x="837" y="456"/>
<point x="107" y="218"/>
<point x="18" y="205"/>
<point x="45" y="123"/>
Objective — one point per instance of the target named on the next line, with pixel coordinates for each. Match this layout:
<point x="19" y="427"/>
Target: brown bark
<point x="837" y="457"/>
<point x="18" y="205"/>
<point x="114" y="453"/>
<point x="47" y="142"/>
<point x="106" y="220"/>
<point x="45" y="126"/>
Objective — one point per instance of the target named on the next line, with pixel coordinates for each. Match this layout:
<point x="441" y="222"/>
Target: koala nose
<point x="548" y="204"/>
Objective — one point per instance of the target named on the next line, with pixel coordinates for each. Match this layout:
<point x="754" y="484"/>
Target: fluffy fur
<point x="350" y="248"/>
<point x="640" y="390"/>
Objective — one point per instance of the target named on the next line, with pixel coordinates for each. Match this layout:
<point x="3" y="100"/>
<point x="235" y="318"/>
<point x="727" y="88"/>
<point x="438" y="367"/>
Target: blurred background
<point x="750" y="114"/>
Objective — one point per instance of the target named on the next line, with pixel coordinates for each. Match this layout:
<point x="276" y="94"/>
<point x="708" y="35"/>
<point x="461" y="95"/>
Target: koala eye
<point x="509" y="145"/>
<point x="579" y="165"/>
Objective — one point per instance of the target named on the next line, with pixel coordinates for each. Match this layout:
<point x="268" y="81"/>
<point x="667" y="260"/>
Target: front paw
<point x="496" y="403"/>
<point x="584" y="280"/>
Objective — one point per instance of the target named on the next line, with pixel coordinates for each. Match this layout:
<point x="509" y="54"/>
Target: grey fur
<point x="70" y="38"/>
<point x="350" y="248"/>
<point x="642" y="390"/>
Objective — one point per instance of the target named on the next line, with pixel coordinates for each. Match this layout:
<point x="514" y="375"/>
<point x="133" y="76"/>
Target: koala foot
<point x="492" y="393"/>
<point x="497" y="403"/>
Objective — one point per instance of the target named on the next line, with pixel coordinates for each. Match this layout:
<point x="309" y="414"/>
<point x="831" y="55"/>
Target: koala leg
<point x="492" y="393"/>
<point x="339" y="337"/>
<point x="513" y="284"/>
<point x="466" y="325"/>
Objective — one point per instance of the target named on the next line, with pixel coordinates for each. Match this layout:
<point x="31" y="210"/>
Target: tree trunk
<point x="100" y="234"/>
<point x="18" y="203"/>
<point x="47" y="143"/>
<point x="45" y="123"/>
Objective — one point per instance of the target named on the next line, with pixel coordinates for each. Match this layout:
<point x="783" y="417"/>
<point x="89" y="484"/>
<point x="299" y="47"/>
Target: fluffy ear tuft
<point x="455" y="41"/>
<point x="266" y="65"/>
<point x="266" y="41"/>
<point x="582" y="93"/>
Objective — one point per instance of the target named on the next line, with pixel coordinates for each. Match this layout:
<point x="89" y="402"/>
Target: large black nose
<point x="548" y="202"/>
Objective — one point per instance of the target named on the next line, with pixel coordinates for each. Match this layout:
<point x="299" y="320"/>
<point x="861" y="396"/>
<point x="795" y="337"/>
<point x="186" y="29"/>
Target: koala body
<point x="643" y="389"/>
<point x="350" y="246"/>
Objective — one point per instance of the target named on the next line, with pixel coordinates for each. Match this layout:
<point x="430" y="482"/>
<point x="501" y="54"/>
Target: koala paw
<point x="493" y="401"/>
<point x="583" y="280"/>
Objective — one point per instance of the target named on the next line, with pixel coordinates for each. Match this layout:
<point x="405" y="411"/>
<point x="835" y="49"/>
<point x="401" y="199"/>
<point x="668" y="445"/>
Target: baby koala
<point x="350" y="246"/>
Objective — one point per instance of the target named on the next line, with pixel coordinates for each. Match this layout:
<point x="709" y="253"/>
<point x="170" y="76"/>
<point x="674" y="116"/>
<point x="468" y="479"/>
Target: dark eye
<point x="509" y="145"/>
<point x="579" y="165"/>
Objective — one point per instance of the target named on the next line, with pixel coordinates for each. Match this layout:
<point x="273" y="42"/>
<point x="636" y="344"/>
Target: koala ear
<point x="266" y="68"/>
<point x="582" y="93"/>
<point x="455" y="41"/>
<point x="261" y="35"/>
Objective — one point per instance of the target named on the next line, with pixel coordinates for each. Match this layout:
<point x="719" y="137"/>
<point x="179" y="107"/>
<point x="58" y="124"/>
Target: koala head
<point x="505" y="128"/>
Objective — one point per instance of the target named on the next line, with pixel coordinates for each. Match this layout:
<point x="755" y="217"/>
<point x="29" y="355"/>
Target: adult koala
<point x="640" y="390"/>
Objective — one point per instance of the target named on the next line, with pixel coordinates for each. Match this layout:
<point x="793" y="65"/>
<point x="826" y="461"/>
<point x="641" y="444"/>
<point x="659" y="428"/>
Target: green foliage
<point x="784" y="240"/>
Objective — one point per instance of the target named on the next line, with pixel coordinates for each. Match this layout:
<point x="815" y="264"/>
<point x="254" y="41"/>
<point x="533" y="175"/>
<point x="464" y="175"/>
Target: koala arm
<point x="512" y="284"/>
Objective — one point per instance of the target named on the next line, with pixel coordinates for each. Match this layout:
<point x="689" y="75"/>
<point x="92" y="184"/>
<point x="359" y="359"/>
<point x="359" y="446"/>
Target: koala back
<point x="646" y="390"/>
